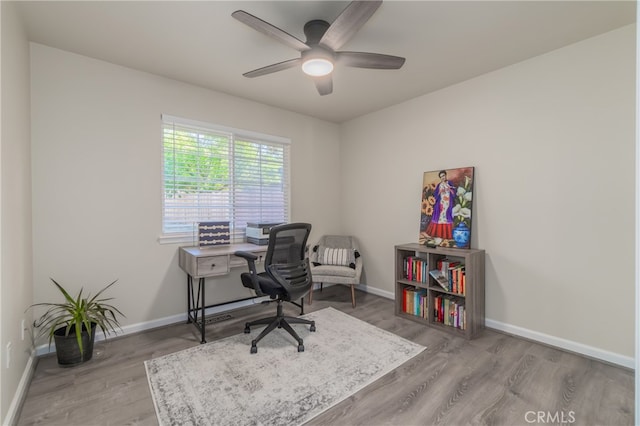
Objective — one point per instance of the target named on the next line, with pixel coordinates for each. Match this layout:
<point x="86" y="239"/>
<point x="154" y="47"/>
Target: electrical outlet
<point x="22" y="328"/>
<point x="9" y="347"/>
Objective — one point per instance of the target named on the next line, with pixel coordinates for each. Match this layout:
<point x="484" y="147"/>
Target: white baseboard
<point x="568" y="345"/>
<point x="21" y="392"/>
<point x="160" y="322"/>
<point x="363" y="287"/>
<point x="376" y="291"/>
<point x="582" y="349"/>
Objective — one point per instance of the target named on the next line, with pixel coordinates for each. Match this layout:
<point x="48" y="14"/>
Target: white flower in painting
<point x="464" y="212"/>
<point x="462" y="207"/>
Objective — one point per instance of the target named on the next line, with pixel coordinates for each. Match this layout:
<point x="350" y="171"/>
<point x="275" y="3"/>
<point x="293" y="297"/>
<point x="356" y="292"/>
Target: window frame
<point x="234" y="134"/>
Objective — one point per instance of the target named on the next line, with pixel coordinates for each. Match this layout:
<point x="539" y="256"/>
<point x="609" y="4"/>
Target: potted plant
<point x="72" y="324"/>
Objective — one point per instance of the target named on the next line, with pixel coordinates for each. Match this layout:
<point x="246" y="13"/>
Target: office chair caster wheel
<point x="254" y="349"/>
<point x="247" y="330"/>
<point x="300" y="348"/>
<point x="312" y="327"/>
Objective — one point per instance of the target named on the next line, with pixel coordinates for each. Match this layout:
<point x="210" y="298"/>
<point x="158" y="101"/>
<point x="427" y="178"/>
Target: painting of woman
<point x="441" y="224"/>
<point x="445" y="211"/>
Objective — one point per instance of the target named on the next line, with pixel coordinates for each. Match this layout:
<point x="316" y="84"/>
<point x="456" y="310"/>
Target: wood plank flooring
<point x="495" y="379"/>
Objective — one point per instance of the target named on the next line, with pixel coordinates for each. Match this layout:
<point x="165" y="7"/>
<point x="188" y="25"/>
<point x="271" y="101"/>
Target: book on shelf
<point x="450" y="275"/>
<point x="414" y="301"/>
<point x="450" y="311"/>
<point x="415" y="269"/>
<point x="440" y="278"/>
<point x="407" y="297"/>
<point x="456" y="278"/>
<point x="446" y="264"/>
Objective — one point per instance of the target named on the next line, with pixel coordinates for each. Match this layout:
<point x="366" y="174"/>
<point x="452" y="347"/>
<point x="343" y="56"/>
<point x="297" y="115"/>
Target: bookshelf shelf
<point x="459" y="309"/>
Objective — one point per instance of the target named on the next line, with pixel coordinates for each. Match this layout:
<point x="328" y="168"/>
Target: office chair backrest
<point x="287" y="243"/>
<point x="285" y="261"/>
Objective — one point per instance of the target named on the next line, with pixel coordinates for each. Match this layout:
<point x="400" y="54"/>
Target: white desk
<point x="210" y="262"/>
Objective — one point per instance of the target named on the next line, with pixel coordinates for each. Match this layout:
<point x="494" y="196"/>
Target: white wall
<point x="552" y="141"/>
<point x="16" y="291"/>
<point x="96" y="150"/>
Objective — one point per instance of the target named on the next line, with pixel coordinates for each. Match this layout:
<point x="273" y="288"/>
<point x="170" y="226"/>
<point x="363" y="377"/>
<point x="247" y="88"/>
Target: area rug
<point x="221" y="383"/>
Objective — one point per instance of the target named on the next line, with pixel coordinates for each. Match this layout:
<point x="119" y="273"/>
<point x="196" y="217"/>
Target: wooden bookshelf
<point x="472" y="299"/>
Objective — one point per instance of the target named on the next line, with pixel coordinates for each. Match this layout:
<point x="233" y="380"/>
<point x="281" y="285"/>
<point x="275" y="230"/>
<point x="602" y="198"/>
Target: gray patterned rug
<point x="221" y="383"/>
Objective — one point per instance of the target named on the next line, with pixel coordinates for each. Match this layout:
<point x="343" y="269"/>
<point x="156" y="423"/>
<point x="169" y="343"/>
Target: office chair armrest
<point x="251" y="262"/>
<point x="250" y="258"/>
<point x="246" y="255"/>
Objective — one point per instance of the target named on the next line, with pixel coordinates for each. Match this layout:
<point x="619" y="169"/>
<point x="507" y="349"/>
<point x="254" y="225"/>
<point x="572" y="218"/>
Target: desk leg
<point x="202" y="306"/>
<point x="195" y="303"/>
<point x="189" y="296"/>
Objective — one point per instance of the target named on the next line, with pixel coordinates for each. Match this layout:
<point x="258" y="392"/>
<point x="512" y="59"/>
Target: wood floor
<point x="495" y="379"/>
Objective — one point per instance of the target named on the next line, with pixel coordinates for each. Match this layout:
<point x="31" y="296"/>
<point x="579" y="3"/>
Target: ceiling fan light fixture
<point x="317" y="67"/>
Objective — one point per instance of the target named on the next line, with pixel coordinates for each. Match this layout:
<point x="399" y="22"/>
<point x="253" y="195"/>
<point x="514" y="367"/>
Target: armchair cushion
<point x="322" y="272"/>
<point x="336" y="256"/>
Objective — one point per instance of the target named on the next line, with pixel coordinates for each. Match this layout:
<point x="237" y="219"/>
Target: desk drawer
<point x="212" y="265"/>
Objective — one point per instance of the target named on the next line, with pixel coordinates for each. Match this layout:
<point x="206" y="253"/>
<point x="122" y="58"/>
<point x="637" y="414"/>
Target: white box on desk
<point x="259" y="230"/>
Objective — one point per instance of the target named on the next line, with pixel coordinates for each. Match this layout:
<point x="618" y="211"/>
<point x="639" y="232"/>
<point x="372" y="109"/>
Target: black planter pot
<point x="67" y="347"/>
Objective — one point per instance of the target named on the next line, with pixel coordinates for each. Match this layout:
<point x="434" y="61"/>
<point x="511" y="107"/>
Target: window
<point x="214" y="173"/>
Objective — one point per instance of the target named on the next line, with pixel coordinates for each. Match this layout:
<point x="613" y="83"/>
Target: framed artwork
<point x="213" y="234"/>
<point x="446" y="207"/>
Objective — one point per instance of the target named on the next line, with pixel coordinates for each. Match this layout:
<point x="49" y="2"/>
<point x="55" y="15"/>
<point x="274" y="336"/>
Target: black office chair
<point x="287" y="277"/>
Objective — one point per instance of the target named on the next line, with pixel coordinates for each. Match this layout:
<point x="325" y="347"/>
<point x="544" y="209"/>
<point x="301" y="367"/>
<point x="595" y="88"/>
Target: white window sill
<point x="176" y="239"/>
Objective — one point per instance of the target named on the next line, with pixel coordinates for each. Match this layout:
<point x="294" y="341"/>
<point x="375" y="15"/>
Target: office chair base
<point x="278" y="321"/>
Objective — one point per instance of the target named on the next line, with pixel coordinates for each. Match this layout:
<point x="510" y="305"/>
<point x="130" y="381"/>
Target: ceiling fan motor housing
<point x="314" y="30"/>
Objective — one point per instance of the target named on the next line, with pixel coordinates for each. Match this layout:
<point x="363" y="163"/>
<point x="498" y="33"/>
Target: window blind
<point x="216" y="173"/>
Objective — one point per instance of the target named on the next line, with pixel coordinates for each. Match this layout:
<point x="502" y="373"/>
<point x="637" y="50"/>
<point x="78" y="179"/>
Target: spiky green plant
<point x="77" y="312"/>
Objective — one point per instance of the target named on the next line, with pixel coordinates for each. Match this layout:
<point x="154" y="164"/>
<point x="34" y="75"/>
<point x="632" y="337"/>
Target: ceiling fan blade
<point x="370" y="60"/>
<point x="273" y="68"/>
<point x="348" y="23"/>
<point x="269" y="30"/>
<point x="324" y="84"/>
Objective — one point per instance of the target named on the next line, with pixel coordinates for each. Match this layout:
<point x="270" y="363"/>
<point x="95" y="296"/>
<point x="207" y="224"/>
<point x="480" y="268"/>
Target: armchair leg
<point x="353" y="295"/>
<point x="311" y="293"/>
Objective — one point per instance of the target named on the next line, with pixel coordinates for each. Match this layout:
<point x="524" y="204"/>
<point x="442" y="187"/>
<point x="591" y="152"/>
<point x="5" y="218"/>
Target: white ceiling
<point x="444" y="42"/>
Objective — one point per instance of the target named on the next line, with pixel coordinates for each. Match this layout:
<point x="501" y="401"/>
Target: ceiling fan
<point x="319" y="53"/>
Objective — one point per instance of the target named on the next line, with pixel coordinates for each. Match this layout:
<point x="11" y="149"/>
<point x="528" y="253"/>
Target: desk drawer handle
<point x="213" y="265"/>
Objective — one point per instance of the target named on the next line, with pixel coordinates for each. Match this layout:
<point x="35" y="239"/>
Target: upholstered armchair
<point x="336" y="259"/>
